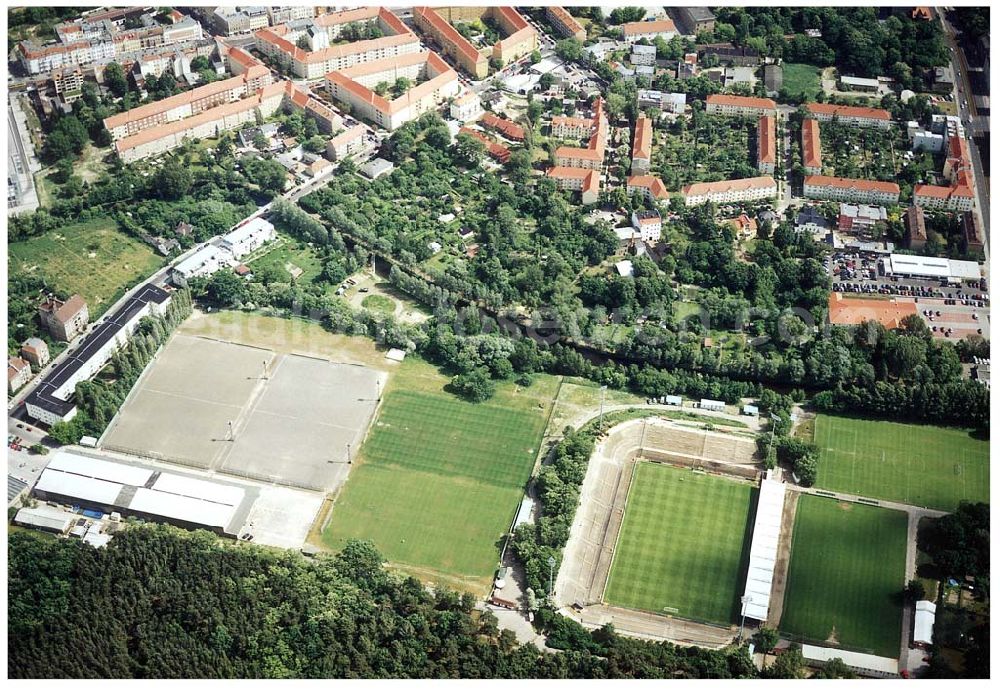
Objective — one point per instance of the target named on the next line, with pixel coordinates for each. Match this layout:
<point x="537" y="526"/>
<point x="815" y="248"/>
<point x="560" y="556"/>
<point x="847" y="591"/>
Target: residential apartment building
<point x="642" y="146"/>
<point x="466" y="108"/>
<point x="851" y="115"/>
<point x="861" y="218"/>
<point x="436" y="83"/>
<point x="188" y="103"/>
<point x="743" y="106"/>
<point x="651" y="188"/>
<point x="812" y="149"/>
<point x="851" y="190"/>
<point x="233" y="21"/>
<point x="510" y="130"/>
<point x="694" y="20"/>
<point x="18" y="373"/>
<point x="35" y="351"/>
<point x="283" y="15"/>
<point x="585" y="181"/>
<point x="730" y="191"/>
<point x="519" y="38"/>
<point x="565" y="23"/>
<point x="644" y="55"/>
<point x="64" y="319"/>
<point x="767" y="146"/>
<point x="248" y="237"/>
<point x="916" y="228"/>
<point x="667" y="102"/>
<point x="348" y="143"/>
<point x="649" y="224"/>
<point x="564" y="127"/>
<point x="956" y="198"/>
<point x="972" y="233"/>
<point x="280" y="42"/>
<point x="637" y="31"/>
<point x="592" y="157"/>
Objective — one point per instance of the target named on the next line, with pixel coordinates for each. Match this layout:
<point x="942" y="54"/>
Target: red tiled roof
<point x="505" y="127"/>
<point x="448" y="33"/>
<point x="642" y="140"/>
<point x="853" y="311"/>
<point x="639" y="28"/>
<point x="702" y="188"/>
<point x="933" y="191"/>
<point x="812" y="150"/>
<point x="740" y="101"/>
<point x="845" y="183"/>
<point x="766" y="145"/>
<point x="654" y="184"/>
<point x="848" y="111"/>
<point x="567" y="20"/>
<point x="496" y="150"/>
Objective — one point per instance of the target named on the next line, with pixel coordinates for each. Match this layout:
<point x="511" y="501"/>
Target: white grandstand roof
<point x="95" y="468"/>
<point x="196" y="488"/>
<point x="78" y="487"/>
<point x="923" y="622"/>
<point x="181" y="507"/>
<point x="852" y="659"/>
<point x="764" y="549"/>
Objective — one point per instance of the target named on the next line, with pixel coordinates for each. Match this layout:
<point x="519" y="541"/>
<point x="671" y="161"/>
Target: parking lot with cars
<point x="950" y="311"/>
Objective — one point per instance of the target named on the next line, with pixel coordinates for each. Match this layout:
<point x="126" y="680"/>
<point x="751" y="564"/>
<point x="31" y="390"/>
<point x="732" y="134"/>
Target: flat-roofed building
<point x="643" y="55"/>
<point x="767" y="147"/>
<point x="812" y="149"/>
<point x="650" y="187"/>
<point x="852" y="115"/>
<point x="667" y="102"/>
<point x="52" y="399"/>
<point x="730" y="191"/>
<point x="850" y="190"/>
<point x="642" y="145"/>
<point x="637" y="31"/>
<point x="863" y="664"/>
<point x="859" y="84"/>
<point x="347" y="143"/>
<point x="860" y="218"/>
<point x="744" y="106"/>
<point x="233" y="21"/>
<point x="649" y="224"/>
<point x="248" y="237"/>
<point x="565" y="23"/>
<point x="45" y="518"/>
<point x="203" y="262"/>
<point x="694" y="20"/>
<point x="64" y="319"/>
<point x="435" y="81"/>
<point x="587" y="182"/>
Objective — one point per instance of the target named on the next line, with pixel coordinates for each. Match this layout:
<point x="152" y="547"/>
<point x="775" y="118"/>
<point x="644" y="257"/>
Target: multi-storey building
<point x="565" y="23"/>
<point x="290" y="13"/>
<point x="652" y="188"/>
<point x="280" y="42"/>
<point x="850" y="190"/>
<point x="519" y="38"/>
<point x="511" y="130"/>
<point x="972" y="232"/>
<point x="744" y="106"/>
<point x="436" y="83"/>
<point x="852" y="115"/>
<point x="466" y="107"/>
<point x="18" y="373"/>
<point x="812" y="149"/>
<point x="585" y="181"/>
<point x="649" y="224"/>
<point x="766" y="145"/>
<point x="347" y="143"/>
<point x="916" y="227"/>
<point x="730" y="191"/>
<point x="637" y="31"/>
<point x="564" y="127"/>
<point x="642" y="146"/>
<point x="954" y="198"/>
<point x="592" y="157"/>
<point x="188" y="103"/>
<point x="233" y="21"/>
<point x="861" y="218"/>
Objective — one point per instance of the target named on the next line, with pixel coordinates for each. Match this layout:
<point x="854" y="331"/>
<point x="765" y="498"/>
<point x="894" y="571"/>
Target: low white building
<point x="624" y="268"/>
<point x="466" y="107"/>
<point x="923" y="623"/>
<point x="201" y="263"/>
<point x="863" y="664"/>
<point x="643" y="55"/>
<point x="248" y="237"/>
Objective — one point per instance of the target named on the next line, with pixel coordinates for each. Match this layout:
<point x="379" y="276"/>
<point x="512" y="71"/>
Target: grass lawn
<point x="380" y="303"/>
<point x="440" y="478"/>
<point x="847" y="566"/>
<point x="928" y="466"/>
<point x="799" y="78"/>
<point x="682" y="544"/>
<point x="93" y="259"/>
<point x="289" y="257"/>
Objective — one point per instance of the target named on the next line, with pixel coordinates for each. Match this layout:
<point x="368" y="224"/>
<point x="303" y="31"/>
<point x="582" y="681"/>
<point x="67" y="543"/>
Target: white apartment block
<point x="850" y="190"/>
<point x="466" y="107"/>
<point x="741" y="106"/>
<point x="248" y="237"/>
<point x="851" y="115"/>
<point x="730" y="191"/>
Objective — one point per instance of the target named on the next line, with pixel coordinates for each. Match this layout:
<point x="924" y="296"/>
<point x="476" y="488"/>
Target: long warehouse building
<point x="72" y="478"/>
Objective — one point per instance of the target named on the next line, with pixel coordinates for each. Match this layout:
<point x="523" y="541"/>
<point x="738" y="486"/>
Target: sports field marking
<point x="846" y="570"/>
<point x="926" y="466"/>
<point x="681" y="544"/>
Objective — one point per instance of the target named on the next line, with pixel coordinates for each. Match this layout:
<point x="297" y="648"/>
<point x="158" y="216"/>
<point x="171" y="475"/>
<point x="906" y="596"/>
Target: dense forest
<point x="162" y="603"/>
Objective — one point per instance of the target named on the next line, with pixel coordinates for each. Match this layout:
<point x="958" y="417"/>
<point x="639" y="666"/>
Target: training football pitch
<point x="927" y="466"/>
<point x="681" y="546"/>
<point x="847" y="567"/>
<point x="441" y="478"/>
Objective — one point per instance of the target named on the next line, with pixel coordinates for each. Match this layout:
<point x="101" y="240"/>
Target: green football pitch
<point x="927" y="466"/>
<point x="847" y="567"/>
<point x="681" y="546"/>
<point x="440" y="479"/>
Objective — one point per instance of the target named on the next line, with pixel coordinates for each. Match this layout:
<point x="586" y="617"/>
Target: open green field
<point x="92" y="259"/>
<point x="682" y="544"/>
<point x="927" y="466"/>
<point x="441" y="478"/>
<point x="847" y="566"/>
<point x="288" y="256"/>
<point x="798" y="77"/>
